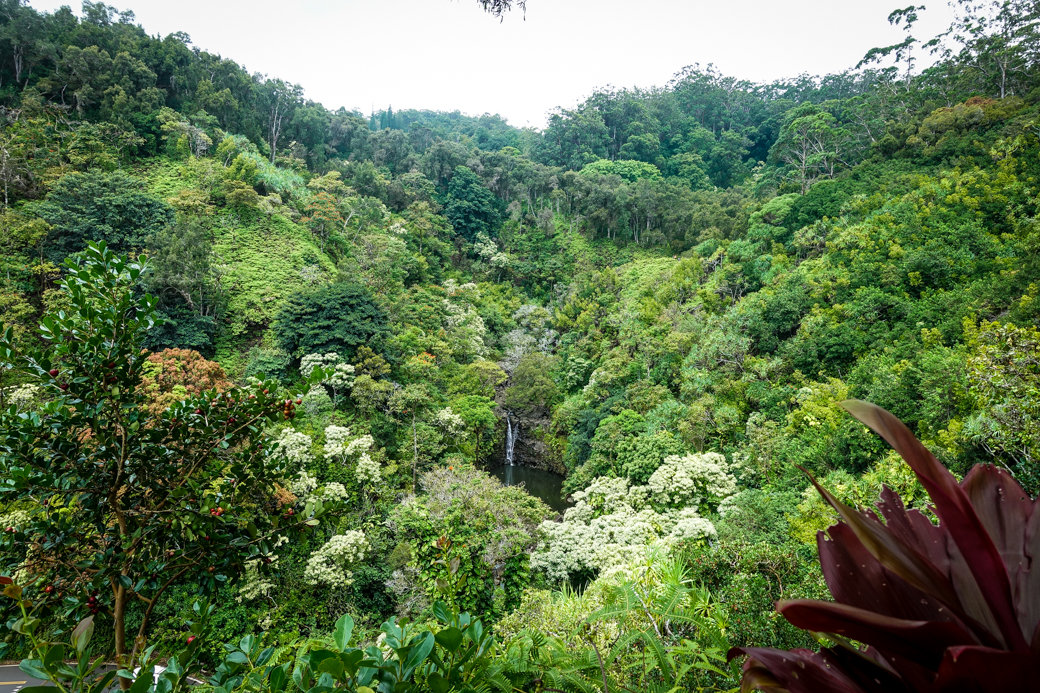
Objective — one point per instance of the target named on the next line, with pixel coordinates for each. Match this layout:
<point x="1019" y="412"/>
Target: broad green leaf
<point x="344" y="629"/>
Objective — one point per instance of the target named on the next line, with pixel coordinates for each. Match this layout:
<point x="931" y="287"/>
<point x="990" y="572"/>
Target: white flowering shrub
<point x="336" y="439"/>
<point x="698" y="480"/>
<point x="317" y="402"/>
<point x="311" y="361"/>
<point x="303" y="485"/>
<point x="362" y="444"/>
<point x="332" y="491"/>
<point x="605" y="495"/>
<point x="338" y="373"/>
<point x="294" y="447"/>
<point x="690" y="526"/>
<point x="450" y="422"/>
<point x="24" y="397"/>
<point x="253" y="584"/>
<point x="339" y="446"/>
<point x="330" y="564"/>
<point x="367" y="470"/>
<point x="612" y="523"/>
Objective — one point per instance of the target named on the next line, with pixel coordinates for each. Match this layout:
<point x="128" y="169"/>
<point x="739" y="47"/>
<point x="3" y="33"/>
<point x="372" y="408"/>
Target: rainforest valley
<point x="262" y="362"/>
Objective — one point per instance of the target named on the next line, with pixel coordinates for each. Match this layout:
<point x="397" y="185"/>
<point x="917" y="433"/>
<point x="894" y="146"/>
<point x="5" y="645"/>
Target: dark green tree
<point x="100" y="206"/>
<point x="337" y="317"/>
<point x="469" y="206"/>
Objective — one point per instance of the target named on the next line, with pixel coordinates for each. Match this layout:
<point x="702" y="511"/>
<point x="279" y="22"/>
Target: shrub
<point x="940" y="607"/>
<point x="336" y="318"/>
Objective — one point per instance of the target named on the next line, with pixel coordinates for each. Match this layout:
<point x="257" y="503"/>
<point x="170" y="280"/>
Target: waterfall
<point x="512" y="435"/>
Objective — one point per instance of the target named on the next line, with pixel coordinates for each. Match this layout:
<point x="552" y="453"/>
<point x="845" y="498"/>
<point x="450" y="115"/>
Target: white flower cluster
<point x="338" y="372"/>
<point x="253" y="585"/>
<point x="362" y="444"/>
<point x="294" y="447"/>
<point x="613" y="523"/>
<point x="689" y="525"/>
<point x="329" y="564"/>
<point x="338" y="447"/>
<point x="462" y="322"/>
<point x="317" y="402"/>
<point x="452" y="287"/>
<point x="333" y="491"/>
<point x="336" y="438"/>
<point x="698" y="480"/>
<point x="367" y="470"/>
<point x="451" y="422"/>
<point x="23" y="397"/>
<point x="303" y="485"/>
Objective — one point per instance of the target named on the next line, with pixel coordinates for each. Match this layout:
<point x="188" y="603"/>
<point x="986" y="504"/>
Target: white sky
<point x="450" y="55"/>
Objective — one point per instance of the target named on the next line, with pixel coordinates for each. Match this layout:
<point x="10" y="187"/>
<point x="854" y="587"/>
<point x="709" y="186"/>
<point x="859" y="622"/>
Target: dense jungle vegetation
<point x="258" y="355"/>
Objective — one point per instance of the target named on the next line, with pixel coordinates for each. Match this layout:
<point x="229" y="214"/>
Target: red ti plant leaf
<point x="947" y="607"/>
<point x="954" y="508"/>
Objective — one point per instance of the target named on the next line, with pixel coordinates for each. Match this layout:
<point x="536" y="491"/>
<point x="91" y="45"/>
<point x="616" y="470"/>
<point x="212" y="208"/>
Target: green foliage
<point x="100" y="206"/>
<point x="531" y="386"/>
<point x="626" y="169"/>
<point x="338" y="317"/>
<point x="469" y="206"/>
<point x="470" y="538"/>
<point x="96" y="462"/>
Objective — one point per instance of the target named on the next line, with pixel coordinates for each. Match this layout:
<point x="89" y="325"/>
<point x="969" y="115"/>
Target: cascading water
<point x="512" y="435"/>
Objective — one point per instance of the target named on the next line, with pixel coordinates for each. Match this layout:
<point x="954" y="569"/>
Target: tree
<point x="101" y="206"/>
<point x="281" y="101"/>
<point x="337" y="317"/>
<point x="118" y="500"/>
<point x="811" y="143"/>
<point x="173" y="375"/>
<point x="1001" y="40"/>
<point x="500" y="7"/>
<point x="470" y="207"/>
<point x="185" y="281"/>
<point x="531" y="387"/>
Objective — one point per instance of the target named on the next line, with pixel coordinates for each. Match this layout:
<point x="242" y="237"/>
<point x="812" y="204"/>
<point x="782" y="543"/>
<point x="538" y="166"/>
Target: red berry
<point x="48" y="589"/>
<point x="198" y="411"/>
<point x="53" y="372"/>
<point x="191" y="639"/>
<point x="290" y="512"/>
<point x="299" y="400"/>
<point x="63" y="386"/>
<point x="267" y="392"/>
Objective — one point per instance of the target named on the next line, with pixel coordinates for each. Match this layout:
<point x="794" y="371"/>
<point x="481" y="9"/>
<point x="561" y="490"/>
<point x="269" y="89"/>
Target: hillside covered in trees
<point x="259" y="356"/>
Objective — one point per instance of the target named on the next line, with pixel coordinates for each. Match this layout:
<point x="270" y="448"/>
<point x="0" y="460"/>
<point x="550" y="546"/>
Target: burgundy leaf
<point x="800" y="671"/>
<point x="987" y="670"/>
<point x="955" y="511"/>
<point x="856" y="578"/>
<point x="902" y="559"/>
<point x="1012" y="520"/>
<point x="924" y="642"/>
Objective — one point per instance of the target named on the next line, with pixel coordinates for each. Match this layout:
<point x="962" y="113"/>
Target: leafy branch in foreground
<point x="110" y="504"/>
<point x="951" y="606"/>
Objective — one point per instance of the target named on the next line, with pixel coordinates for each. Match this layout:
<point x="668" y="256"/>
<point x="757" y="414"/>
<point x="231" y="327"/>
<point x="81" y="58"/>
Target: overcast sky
<point x="448" y="54"/>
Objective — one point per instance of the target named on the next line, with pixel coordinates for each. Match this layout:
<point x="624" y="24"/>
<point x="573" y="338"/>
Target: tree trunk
<point x="119" y="626"/>
<point x="415" y="453"/>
